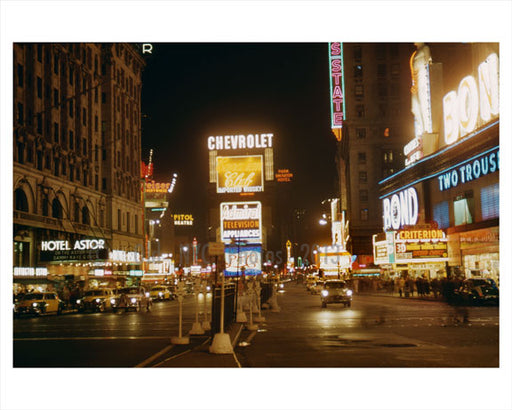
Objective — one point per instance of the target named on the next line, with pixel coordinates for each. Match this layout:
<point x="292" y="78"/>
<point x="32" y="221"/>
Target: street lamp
<point x="184" y="250"/>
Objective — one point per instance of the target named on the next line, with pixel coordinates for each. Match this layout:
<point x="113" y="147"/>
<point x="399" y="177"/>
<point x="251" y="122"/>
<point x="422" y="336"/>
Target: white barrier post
<point x="221" y="343"/>
<point x="206" y="322"/>
<point x="273" y="301"/>
<point x="259" y="318"/>
<point x="250" y="291"/>
<point x="180" y="340"/>
<point x="197" y="329"/>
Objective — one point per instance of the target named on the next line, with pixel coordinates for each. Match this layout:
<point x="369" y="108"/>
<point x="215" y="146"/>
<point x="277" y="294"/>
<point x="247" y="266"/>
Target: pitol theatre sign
<point x="84" y="249"/>
<point x="401" y="209"/>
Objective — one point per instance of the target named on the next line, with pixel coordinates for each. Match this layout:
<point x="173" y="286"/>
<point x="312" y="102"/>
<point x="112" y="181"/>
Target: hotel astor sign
<point x="83" y="249"/>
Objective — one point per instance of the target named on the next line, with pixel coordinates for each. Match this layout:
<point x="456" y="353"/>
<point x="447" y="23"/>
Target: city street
<point x="377" y="331"/>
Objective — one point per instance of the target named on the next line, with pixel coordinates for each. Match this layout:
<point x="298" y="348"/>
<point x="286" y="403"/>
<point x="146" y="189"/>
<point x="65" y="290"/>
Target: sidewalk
<point x="429" y="297"/>
<point x="199" y="356"/>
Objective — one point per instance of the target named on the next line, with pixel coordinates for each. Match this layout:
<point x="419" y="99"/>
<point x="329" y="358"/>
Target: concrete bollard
<point x="197" y="329"/>
<point x="250" y="290"/>
<point x="180" y="339"/>
<point x="257" y="289"/>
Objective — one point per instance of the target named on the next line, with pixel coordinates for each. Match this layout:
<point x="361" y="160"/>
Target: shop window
<point x="462" y="209"/>
<point x="442" y="214"/>
<point x="21" y="252"/>
<point x="490" y="201"/>
<point x="20" y="200"/>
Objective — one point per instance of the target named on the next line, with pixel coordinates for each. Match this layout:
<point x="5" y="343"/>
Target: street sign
<point x="215" y="248"/>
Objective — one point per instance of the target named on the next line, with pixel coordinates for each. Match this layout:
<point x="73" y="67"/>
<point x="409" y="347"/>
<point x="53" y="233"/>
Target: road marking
<point x="38" y="339"/>
<point x="157" y="354"/>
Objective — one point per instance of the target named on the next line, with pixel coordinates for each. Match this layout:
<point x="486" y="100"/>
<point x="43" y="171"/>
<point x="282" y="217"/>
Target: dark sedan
<point x="477" y="291"/>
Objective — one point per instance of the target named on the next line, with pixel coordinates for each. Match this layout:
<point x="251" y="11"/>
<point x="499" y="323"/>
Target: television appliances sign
<point x="240" y="174"/>
<point x="240" y="221"/>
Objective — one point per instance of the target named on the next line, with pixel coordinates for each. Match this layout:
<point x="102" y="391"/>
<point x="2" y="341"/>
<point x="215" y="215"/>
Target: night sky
<point x="191" y="91"/>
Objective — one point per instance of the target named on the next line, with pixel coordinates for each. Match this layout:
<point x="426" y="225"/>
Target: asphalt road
<point x="121" y="339"/>
<point x="377" y="331"/>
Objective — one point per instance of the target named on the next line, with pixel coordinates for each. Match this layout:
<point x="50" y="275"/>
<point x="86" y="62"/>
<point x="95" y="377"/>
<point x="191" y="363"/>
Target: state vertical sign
<point x="337" y="88"/>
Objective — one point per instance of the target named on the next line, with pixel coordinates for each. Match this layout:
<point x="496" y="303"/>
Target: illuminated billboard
<point x="337" y="88"/>
<point x="240" y="221"/>
<point x="243" y="260"/>
<point x="241" y="174"/>
<point x="250" y="141"/>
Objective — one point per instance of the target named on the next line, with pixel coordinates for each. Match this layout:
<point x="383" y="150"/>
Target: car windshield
<point x="130" y="291"/>
<point x="481" y="282"/>
<point x="158" y="288"/>
<point x="94" y="293"/>
<point x="334" y="285"/>
<point x="33" y="296"/>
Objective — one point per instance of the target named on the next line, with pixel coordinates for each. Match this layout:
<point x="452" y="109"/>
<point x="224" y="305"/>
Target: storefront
<point x="441" y="213"/>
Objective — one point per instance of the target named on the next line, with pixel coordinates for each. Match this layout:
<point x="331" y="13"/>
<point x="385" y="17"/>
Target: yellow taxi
<point x="160" y="293"/>
<point x="39" y="303"/>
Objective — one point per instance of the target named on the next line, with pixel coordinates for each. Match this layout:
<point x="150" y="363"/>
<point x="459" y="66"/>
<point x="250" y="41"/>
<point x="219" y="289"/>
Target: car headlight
<point x="78" y="301"/>
<point x="349" y="292"/>
<point x="281" y="285"/>
<point x="160" y="294"/>
<point x="133" y="300"/>
<point x="325" y="292"/>
<point x="34" y="304"/>
<point x="208" y="288"/>
<point x="147" y="294"/>
<point x="112" y="301"/>
<point x="98" y="300"/>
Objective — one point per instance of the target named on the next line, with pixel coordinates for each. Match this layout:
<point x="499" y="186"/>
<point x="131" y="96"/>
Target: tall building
<point x="378" y="122"/>
<point x="78" y="213"/>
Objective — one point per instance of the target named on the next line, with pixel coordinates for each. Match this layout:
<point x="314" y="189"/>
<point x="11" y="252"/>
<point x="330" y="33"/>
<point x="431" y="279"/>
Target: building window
<point x="361" y="157"/>
<point x="127" y="221"/>
<point x="55" y="132"/>
<point x="462" y="209"/>
<point x="55" y="97"/>
<point x="71" y="173"/>
<point x="395" y="70"/>
<point x="359" y="90"/>
<point x="490" y="201"/>
<point x="358" y="53"/>
<point x="103" y="98"/>
<point x="84" y="147"/>
<point x="71" y="75"/>
<point x="56" y="64"/>
<point x="56" y="165"/>
<point x="20" y="200"/>
<point x="380" y="51"/>
<point x="20" y="114"/>
<point x="104" y="154"/>
<point x="102" y="217"/>
<point x="363" y="176"/>
<point x="39" y="160"/>
<point x="103" y="184"/>
<point x="19" y="71"/>
<point x="96" y="95"/>
<point x="136" y="223"/>
<point x="71" y="140"/>
<point x="39" y="83"/>
<point x="96" y="149"/>
<point x="56" y="209"/>
<point x="363" y="195"/>
<point x="358" y="71"/>
<point x="77" y="212"/>
<point x="96" y="123"/>
<point x="85" y="179"/>
<point x="45" y="206"/>
<point x="382" y="90"/>
<point x="360" y="110"/>
<point x="119" y="222"/>
<point x="40" y="53"/>
<point x="86" y="220"/>
<point x="96" y="182"/>
<point x="442" y="214"/>
<point x="71" y="108"/>
<point x="64" y="171"/>
<point x="364" y="214"/>
<point x="388" y="157"/>
<point x="360" y="133"/>
<point x="84" y="116"/>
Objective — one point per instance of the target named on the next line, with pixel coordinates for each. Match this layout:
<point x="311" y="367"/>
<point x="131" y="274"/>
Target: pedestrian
<point x="401" y="286"/>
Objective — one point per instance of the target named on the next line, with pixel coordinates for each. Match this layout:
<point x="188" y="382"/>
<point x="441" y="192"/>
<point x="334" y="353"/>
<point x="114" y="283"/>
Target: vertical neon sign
<point x="337" y="84"/>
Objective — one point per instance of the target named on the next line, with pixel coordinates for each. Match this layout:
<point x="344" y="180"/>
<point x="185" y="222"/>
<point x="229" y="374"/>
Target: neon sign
<point x="401" y="209"/>
<point x="462" y="108"/>
<point x="470" y="170"/>
<point x="241" y="174"/>
<point x="337" y="87"/>
<point x="83" y="244"/>
<point x="249" y="141"/>
<point x="241" y="221"/>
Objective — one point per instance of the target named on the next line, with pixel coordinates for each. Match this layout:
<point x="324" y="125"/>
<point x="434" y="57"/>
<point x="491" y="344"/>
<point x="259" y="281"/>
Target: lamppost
<point x="184" y="250"/>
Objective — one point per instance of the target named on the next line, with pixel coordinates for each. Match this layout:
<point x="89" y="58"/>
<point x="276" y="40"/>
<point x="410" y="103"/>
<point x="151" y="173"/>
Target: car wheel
<point x="59" y="310"/>
<point x="324" y="305"/>
<point x="101" y="308"/>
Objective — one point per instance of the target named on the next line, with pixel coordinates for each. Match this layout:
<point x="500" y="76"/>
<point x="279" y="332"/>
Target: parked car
<point x="336" y="291"/>
<point x="160" y="293"/>
<point x="39" y="303"/>
<point x="95" y="300"/>
<point x="131" y="298"/>
<point x="477" y="291"/>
